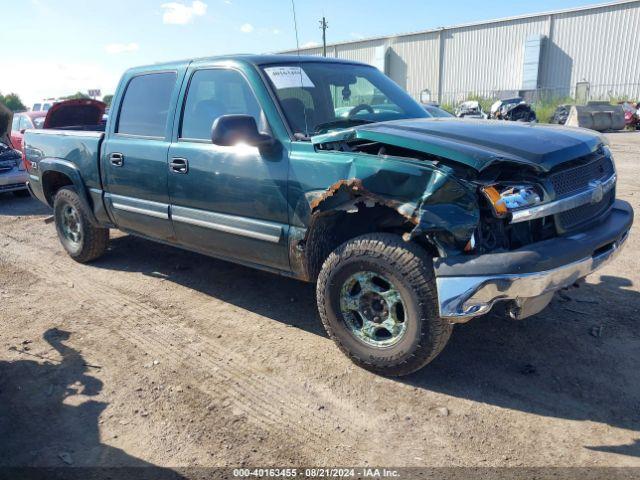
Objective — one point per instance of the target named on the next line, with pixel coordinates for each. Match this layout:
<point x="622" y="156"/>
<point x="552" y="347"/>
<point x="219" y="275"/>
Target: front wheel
<point x="82" y="240"/>
<point x="377" y="300"/>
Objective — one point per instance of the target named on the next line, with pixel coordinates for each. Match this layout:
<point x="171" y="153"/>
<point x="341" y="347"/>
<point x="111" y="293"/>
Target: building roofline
<point x="473" y="24"/>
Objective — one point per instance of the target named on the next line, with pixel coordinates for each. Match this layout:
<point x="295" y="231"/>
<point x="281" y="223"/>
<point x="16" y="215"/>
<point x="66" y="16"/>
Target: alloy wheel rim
<point x="373" y="309"/>
<point x="71" y="225"/>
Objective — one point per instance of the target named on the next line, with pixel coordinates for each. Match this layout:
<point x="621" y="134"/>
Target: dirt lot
<point x="153" y="355"/>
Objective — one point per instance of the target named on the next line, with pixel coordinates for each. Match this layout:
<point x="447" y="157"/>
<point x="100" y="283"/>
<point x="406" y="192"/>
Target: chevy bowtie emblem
<point x="597" y="194"/>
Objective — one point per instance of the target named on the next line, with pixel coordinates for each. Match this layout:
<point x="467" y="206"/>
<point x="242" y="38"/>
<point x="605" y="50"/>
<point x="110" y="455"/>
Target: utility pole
<point x="324" y="25"/>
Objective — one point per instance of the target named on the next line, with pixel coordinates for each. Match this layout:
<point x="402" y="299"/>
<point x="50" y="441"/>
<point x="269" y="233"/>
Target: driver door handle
<point x="179" y="165"/>
<point x="116" y="159"/>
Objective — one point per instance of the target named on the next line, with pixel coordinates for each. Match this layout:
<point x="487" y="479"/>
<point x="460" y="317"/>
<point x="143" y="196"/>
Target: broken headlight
<point x="503" y="199"/>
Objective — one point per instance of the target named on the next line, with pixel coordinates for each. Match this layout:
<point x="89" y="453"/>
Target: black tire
<point x="21" y="193"/>
<point x="409" y="269"/>
<point x="92" y="241"/>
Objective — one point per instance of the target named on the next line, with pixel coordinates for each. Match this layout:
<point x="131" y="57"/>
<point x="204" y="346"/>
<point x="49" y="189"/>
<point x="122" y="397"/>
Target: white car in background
<point x="44" y="105"/>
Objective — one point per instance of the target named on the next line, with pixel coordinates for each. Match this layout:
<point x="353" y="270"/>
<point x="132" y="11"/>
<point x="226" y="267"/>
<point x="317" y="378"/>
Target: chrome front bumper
<point x="464" y="297"/>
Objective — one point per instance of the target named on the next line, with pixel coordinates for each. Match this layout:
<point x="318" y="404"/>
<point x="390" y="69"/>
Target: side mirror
<point x="22" y="130"/>
<point x="229" y="130"/>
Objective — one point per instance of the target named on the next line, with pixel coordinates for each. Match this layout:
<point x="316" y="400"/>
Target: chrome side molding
<point x="136" y="205"/>
<point x="237" y="225"/>
<point x="245" y="227"/>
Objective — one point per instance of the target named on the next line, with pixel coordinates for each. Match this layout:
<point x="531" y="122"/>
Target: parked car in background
<point x="435" y="111"/>
<point x="76" y="114"/>
<point x="561" y="114"/>
<point x="470" y="109"/>
<point x="631" y="115"/>
<point x="64" y="114"/>
<point x="513" y="109"/>
<point x="44" y="105"/>
<point x="23" y="121"/>
<point x="13" y="175"/>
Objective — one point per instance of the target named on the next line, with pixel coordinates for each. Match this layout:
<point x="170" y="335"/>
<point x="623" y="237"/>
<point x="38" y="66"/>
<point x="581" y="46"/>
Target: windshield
<point x="320" y="97"/>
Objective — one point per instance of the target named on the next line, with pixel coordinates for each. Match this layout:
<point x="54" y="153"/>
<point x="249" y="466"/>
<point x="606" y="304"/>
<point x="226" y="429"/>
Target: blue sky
<point x="57" y="47"/>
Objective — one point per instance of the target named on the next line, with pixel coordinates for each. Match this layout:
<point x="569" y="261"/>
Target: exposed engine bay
<point x="500" y="190"/>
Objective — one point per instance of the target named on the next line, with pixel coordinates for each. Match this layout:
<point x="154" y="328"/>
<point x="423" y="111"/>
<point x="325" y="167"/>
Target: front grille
<point x="575" y="179"/>
<point x="583" y="214"/>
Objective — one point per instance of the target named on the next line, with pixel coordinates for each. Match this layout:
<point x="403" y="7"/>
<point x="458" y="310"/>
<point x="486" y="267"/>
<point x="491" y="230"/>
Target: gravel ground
<point x="153" y="355"/>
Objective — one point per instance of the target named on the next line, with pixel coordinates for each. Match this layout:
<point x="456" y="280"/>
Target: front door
<point x="134" y="160"/>
<point x="226" y="201"/>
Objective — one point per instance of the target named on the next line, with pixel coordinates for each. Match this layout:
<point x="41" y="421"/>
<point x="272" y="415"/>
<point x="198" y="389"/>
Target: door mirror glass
<point x="229" y="130"/>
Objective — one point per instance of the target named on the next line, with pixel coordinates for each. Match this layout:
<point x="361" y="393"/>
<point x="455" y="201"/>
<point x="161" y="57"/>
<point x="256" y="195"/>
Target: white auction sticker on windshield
<point x="289" y="77"/>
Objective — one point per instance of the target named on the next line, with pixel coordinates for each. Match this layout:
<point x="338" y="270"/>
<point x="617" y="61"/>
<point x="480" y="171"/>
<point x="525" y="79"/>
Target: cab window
<point x="211" y="94"/>
<point x="146" y="104"/>
<point x="24" y="123"/>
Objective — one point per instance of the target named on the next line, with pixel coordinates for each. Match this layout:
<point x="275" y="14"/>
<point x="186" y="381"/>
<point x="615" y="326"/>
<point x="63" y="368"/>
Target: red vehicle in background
<point x="631" y="115"/>
<point x="75" y="113"/>
<point x="21" y="122"/>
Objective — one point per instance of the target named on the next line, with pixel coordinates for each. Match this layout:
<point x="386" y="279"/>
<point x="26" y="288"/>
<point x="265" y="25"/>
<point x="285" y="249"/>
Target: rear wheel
<point x="377" y="300"/>
<point x="82" y="240"/>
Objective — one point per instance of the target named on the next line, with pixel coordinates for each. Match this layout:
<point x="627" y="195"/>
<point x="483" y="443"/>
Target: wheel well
<point x="52" y="182"/>
<point x="329" y="230"/>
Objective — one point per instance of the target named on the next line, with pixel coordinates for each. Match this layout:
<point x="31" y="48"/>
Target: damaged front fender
<point x="429" y="200"/>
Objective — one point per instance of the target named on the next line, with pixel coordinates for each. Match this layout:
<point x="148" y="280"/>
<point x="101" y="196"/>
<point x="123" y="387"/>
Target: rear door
<point x="226" y="201"/>
<point x="134" y="156"/>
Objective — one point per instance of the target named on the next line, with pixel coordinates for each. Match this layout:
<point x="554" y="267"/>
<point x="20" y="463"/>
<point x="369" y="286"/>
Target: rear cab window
<point x="146" y="104"/>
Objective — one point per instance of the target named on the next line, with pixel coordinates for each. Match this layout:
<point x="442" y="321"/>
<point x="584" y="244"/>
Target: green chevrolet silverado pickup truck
<point x="326" y="171"/>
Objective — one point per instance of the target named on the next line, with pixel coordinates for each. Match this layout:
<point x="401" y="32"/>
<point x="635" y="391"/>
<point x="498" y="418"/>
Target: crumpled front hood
<point x="478" y="143"/>
<point x="6" y="118"/>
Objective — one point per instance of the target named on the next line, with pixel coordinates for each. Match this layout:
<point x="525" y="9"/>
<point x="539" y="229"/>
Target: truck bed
<point x="81" y="148"/>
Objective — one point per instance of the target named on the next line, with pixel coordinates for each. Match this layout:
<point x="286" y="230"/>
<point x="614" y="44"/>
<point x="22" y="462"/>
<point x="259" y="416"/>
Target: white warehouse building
<point x="589" y="52"/>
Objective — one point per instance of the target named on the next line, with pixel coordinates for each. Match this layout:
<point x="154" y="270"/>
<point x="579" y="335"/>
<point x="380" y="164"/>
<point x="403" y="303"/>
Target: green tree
<point x="12" y="102"/>
<point x="76" y="96"/>
<point x="107" y="99"/>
